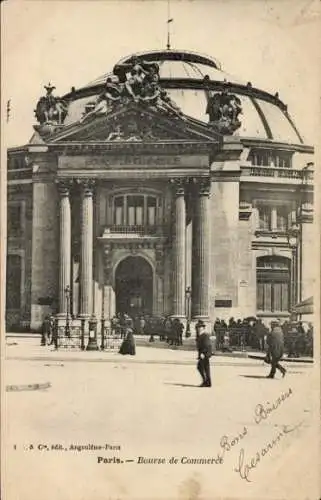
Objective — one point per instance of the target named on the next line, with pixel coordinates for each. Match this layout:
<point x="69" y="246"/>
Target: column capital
<point x="64" y="186"/>
<point x="203" y="185"/>
<point x="87" y="186"/>
<point x="178" y="186"/>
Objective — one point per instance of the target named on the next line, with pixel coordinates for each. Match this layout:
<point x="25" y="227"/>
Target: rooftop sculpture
<point x="51" y="110"/>
<point x="224" y="109"/>
<point x="137" y="81"/>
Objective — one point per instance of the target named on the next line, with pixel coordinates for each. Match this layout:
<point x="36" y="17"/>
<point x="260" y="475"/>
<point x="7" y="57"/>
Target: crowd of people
<point x="234" y="334"/>
<point x="168" y="329"/>
<point x="247" y="333"/>
<point x="252" y="333"/>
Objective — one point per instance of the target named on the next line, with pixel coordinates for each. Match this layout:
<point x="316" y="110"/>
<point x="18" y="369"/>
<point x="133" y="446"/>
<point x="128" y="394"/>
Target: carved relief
<point x="88" y="186"/>
<point x="202" y="185"/>
<point x="64" y="186"/>
<point x="107" y="262"/>
<point x="179" y="186"/>
<point x="159" y="257"/>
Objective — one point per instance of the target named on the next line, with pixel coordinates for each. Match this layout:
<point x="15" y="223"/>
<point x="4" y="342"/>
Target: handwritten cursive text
<point x="244" y="468"/>
<point x="263" y="411"/>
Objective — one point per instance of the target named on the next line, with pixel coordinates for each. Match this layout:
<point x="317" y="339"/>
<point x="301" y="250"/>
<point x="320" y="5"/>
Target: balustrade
<point x="284" y="173"/>
<point x="139" y="229"/>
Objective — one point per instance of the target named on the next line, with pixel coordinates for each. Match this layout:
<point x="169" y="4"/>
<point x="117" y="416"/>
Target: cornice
<point x="272" y="144"/>
<point x="161" y="147"/>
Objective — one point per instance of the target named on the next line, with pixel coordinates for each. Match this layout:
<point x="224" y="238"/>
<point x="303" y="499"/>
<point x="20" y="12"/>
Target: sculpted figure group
<point x="224" y="109"/>
<point x="50" y="109"/>
<point x="136" y="81"/>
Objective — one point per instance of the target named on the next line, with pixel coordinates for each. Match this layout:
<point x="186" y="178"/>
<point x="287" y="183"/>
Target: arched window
<point x="273" y="284"/>
<point x="13" y="282"/>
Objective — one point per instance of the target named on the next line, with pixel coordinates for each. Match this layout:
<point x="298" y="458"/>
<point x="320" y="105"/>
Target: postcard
<point x="159" y="240"/>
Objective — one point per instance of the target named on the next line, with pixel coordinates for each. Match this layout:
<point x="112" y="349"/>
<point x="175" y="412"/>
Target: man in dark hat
<point x="275" y="349"/>
<point x="204" y="347"/>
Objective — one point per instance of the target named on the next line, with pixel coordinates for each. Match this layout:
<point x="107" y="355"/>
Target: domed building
<point x="165" y="187"/>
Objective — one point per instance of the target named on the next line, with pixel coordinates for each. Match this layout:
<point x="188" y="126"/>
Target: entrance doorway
<point x="134" y="287"/>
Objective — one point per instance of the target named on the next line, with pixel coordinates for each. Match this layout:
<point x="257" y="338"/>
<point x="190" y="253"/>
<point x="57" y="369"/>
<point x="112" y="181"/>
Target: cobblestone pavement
<point x="154" y="409"/>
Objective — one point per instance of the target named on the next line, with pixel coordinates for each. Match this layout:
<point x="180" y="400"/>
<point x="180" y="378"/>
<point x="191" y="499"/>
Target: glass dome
<point x="182" y="74"/>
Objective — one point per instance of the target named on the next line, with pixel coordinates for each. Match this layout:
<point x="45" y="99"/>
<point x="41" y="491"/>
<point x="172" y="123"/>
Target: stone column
<point x="65" y="245"/>
<point x="86" y="251"/>
<point x="200" y="252"/>
<point x="179" y="251"/>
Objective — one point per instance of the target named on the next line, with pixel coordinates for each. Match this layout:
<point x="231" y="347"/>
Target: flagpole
<point x="169" y="20"/>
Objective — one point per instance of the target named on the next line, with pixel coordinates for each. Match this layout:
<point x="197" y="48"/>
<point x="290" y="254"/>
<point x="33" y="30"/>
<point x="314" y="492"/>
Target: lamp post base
<point x="92" y="345"/>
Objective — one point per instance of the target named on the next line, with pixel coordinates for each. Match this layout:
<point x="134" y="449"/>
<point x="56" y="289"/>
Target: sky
<point x="275" y="44"/>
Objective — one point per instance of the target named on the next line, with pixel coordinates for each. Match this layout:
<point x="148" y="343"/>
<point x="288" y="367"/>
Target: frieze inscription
<point x="94" y="162"/>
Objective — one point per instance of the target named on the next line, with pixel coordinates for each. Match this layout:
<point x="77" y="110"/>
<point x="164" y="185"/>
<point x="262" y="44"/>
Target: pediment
<point x="135" y="124"/>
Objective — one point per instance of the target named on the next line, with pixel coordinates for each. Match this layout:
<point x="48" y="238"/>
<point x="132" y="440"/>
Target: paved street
<point x="150" y="406"/>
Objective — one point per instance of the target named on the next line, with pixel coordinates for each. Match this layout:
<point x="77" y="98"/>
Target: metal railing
<point x="137" y="229"/>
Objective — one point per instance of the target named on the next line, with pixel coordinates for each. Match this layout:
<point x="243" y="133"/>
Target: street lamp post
<point x="67" y="327"/>
<point x="92" y="341"/>
<point x="102" y="328"/>
<point x="188" y="296"/>
<point x="292" y="237"/>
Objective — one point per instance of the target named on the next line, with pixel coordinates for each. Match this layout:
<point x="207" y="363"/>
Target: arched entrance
<point x="134" y="286"/>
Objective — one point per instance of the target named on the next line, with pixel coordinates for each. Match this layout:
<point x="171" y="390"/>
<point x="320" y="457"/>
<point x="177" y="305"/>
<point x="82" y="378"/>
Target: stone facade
<point x="186" y="207"/>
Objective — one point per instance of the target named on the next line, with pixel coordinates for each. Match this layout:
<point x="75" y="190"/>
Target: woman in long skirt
<point x="128" y="344"/>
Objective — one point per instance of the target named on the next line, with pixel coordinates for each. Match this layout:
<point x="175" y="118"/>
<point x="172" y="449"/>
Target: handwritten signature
<point x="244" y="468"/>
<point x="262" y="412"/>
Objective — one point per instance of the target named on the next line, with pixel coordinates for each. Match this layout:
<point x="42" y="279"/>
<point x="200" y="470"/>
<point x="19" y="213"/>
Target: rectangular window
<point x="272" y="297"/>
<point x="260" y="297"/>
<point x="264" y="217"/>
<point x="119" y="211"/>
<point x="277" y="297"/>
<point x="135" y="210"/>
<point x="139" y="216"/>
<point x="284" y="297"/>
<point x="14" y="220"/>
<point x="282" y="218"/>
<point x="151" y="211"/>
<point x="267" y="296"/>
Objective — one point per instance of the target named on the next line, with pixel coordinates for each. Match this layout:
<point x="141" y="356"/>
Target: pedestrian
<point x="275" y="349"/>
<point x="175" y="332"/>
<point x="180" y="331"/>
<point x="45" y="332"/>
<point x="128" y="344"/>
<point x="198" y="328"/>
<point x="204" y="347"/>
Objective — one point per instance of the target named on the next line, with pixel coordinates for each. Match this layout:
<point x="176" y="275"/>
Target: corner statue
<point x="50" y="109"/>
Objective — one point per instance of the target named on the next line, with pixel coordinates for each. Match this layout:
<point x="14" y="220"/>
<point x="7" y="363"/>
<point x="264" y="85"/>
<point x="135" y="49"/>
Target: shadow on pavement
<point x="253" y="376"/>
<point x="181" y="385"/>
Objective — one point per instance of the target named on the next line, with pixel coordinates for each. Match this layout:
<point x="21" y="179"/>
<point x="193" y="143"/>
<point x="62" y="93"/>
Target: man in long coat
<point x="275" y="349"/>
<point x="204" y="346"/>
